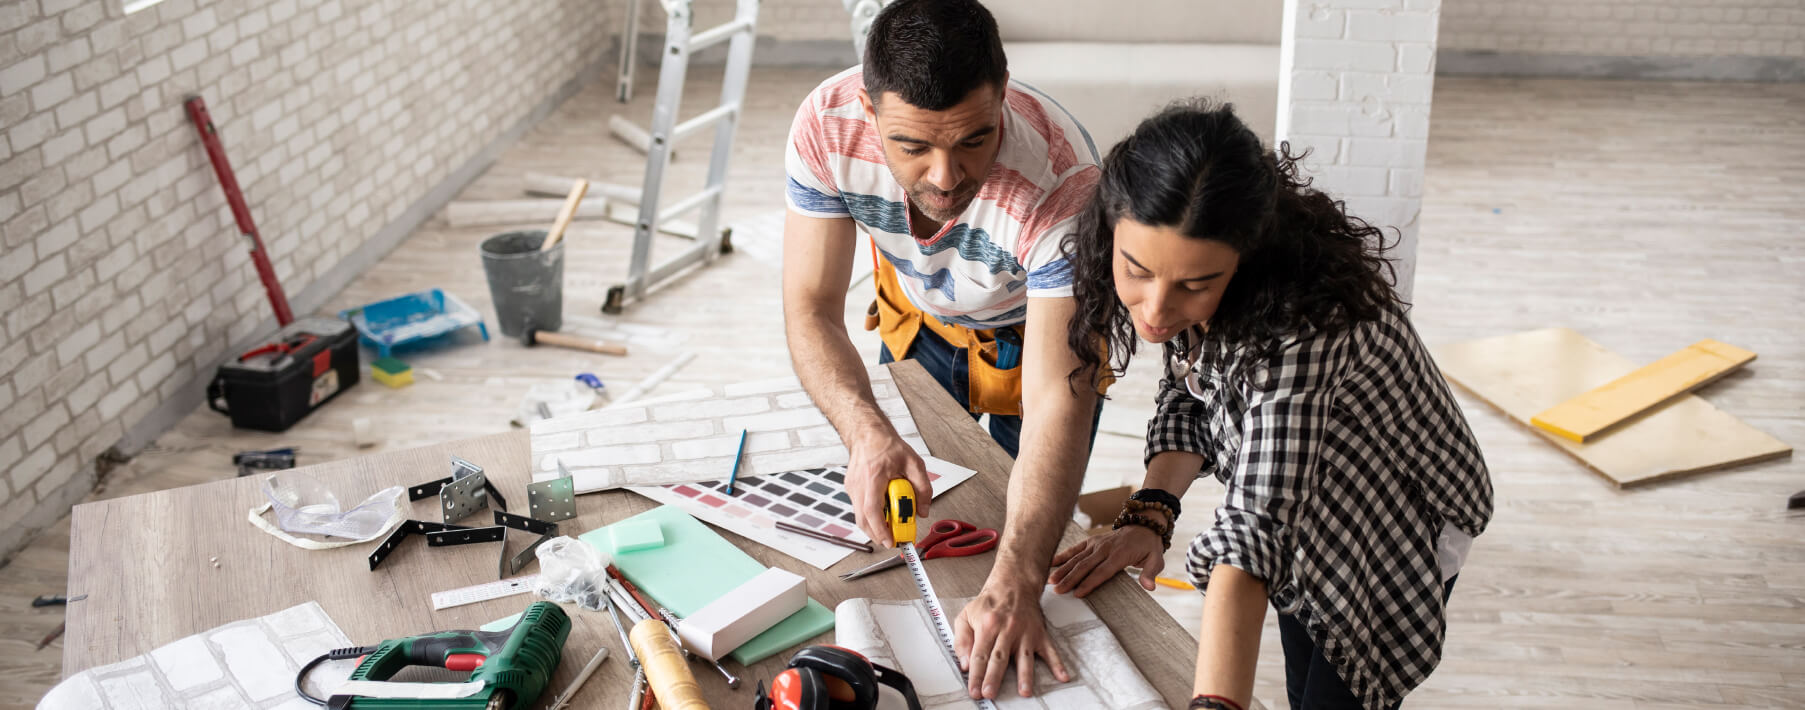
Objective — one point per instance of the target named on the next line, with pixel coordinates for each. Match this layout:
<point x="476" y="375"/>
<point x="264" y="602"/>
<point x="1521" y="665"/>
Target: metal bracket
<point x="426" y="490"/>
<point x="526" y="524"/>
<point x="468" y="536"/>
<point x="463" y="497"/>
<point x="461" y="468"/>
<point x="525" y="557"/>
<point x="408" y="527"/>
<point x="553" y="500"/>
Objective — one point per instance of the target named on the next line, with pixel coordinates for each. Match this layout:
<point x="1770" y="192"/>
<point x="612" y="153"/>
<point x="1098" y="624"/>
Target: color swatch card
<point x="813" y="498"/>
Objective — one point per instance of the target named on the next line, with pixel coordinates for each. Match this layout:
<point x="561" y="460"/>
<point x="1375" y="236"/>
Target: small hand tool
<point x="533" y="336"/>
<point x="946" y="538"/>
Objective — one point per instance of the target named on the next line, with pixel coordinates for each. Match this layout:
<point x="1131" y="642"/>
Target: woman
<point x="1354" y="486"/>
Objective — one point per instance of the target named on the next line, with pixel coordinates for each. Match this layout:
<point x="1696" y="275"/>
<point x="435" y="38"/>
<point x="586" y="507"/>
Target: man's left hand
<point x="1004" y="625"/>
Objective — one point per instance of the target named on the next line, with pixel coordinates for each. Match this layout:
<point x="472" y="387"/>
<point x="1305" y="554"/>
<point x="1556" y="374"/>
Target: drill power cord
<point x="337" y="654"/>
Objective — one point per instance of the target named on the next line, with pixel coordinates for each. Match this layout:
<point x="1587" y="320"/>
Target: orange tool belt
<point x="992" y="388"/>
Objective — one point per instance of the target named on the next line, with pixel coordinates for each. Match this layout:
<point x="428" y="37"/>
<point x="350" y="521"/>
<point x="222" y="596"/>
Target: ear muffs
<point x="832" y="678"/>
<point x="845" y="678"/>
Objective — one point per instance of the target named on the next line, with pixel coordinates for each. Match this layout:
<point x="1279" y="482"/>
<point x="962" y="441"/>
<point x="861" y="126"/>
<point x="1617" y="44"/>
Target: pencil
<point x="736" y="462"/>
<point x="824" y="537"/>
<point x="1173" y="583"/>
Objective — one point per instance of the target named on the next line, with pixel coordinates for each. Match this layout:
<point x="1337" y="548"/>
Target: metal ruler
<point x="943" y="627"/>
<point x="483" y="592"/>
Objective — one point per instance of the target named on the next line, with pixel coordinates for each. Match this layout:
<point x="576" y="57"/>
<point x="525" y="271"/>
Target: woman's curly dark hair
<point x="1195" y="167"/>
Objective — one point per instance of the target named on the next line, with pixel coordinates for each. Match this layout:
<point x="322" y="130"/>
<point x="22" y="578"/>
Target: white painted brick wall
<point x="1356" y="79"/>
<point x="1760" y="28"/>
<point x="122" y="274"/>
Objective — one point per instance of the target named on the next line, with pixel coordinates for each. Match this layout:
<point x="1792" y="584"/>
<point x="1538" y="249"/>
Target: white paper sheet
<point x="899" y="634"/>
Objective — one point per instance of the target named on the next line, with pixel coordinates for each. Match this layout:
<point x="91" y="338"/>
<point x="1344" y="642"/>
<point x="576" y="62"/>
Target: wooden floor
<point x="1645" y="215"/>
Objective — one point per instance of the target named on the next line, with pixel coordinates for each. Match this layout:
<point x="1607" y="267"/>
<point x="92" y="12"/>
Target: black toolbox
<point x="274" y="385"/>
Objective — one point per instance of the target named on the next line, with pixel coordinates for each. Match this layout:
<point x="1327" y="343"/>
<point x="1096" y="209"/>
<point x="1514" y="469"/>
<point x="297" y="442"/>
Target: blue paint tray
<point x="412" y="319"/>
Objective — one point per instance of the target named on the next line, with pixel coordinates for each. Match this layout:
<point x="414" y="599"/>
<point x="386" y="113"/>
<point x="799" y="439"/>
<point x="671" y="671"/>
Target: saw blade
<point x="943" y="627"/>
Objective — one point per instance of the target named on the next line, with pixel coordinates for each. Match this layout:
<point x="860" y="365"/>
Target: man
<point x="966" y="184"/>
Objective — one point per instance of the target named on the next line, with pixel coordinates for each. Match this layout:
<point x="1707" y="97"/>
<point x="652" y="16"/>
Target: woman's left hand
<point x="1088" y="564"/>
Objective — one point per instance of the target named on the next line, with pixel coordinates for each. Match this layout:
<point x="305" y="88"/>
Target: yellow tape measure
<point x="899" y="509"/>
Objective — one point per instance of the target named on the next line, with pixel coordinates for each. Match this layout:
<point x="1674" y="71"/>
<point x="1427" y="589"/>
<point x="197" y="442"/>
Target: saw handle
<point x="577" y="342"/>
<point x="665" y="668"/>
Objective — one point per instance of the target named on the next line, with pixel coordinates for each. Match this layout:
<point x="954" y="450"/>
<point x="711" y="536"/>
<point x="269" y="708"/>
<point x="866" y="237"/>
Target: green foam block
<point x="696" y="566"/>
<point x="635" y="535"/>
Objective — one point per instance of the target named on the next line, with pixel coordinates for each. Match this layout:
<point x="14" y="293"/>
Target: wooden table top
<point x="144" y="563"/>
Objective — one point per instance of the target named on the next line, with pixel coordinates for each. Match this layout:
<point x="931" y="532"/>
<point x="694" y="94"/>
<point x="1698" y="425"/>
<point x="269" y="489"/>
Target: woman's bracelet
<point x="1161" y="528"/>
<point x="1214" y="702"/>
<point x="1155" y="495"/>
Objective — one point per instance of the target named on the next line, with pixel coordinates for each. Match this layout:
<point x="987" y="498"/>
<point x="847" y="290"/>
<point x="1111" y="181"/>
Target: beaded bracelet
<point x="1140" y="506"/>
<point x="1214" y="702"/>
<point x="1163" y="530"/>
<point x="1155" y="495"/>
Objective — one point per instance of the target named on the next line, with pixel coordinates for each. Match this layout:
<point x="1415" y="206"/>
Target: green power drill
<point x="514" y="665"/>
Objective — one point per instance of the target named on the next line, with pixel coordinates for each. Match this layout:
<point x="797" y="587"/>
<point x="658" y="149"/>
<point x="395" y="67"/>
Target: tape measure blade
<point x="943" y="626"/>
<point x="483" y="592"/>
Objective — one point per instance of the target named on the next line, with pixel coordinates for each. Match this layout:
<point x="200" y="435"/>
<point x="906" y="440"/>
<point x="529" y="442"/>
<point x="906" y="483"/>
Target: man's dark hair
<point x="933" y="53"/>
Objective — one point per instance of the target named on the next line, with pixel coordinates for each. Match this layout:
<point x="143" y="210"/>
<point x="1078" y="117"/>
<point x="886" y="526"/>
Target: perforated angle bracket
<point x="525" y="557"/>
<point x="467" y="536"/>
<point x="461" y="468"/>
<point x="463" y="497"/>
<point x="526" y="524"/>
<point x="409" y="527"/>
<point x="510" y="565"/>
<point x="553" y="500"/>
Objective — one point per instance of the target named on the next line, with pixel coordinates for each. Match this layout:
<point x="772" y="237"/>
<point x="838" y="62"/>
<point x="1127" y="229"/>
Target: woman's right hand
<point x="1088" y="564"/>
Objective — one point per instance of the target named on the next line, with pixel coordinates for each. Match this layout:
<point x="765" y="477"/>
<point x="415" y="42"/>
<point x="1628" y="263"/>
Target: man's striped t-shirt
<point x="981" y="268"/>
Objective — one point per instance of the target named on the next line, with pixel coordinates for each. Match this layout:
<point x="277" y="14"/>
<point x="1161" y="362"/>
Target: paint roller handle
<point x="666" y="670"/>
<point x="578" y="342"/>
<point x="569" y="212"/>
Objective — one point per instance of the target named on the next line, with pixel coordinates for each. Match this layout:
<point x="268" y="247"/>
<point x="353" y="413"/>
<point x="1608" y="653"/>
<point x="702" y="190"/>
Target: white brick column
<point x="1355" y="79"/>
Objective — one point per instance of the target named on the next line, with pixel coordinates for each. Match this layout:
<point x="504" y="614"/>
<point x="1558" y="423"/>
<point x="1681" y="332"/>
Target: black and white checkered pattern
<point x="1342" y="468"/>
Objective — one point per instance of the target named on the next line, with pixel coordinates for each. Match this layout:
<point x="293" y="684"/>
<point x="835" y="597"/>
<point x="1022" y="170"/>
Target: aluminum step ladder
<point x="680" y="44"/>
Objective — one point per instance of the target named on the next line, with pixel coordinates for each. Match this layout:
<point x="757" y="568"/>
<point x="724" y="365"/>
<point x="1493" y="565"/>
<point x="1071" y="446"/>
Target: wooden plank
<point x="1583" y="418"/>
<point x="143" y="562"/>
<point x="1526" y="373"/>
<point x="490" y="213"/>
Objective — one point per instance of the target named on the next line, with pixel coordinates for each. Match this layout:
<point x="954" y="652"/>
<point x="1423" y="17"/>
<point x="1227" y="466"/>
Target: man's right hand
<point x="875" y="460"/>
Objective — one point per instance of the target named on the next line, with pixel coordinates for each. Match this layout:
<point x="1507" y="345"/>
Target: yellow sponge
<point x="392" y="372"/>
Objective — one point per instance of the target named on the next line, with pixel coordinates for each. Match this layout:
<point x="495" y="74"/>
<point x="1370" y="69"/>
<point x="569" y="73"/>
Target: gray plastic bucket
<point x="526" y="285"/>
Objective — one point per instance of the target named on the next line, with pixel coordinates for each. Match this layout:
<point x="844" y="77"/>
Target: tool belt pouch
<point x="994" y="382"/>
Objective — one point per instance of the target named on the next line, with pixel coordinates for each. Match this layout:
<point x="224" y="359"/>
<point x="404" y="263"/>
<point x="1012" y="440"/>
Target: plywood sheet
<point x="1526" y="373"/>
<point x="1584" y="417"/>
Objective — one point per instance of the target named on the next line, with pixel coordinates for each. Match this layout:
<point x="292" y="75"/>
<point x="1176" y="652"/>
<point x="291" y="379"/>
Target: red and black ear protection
<point x="832" y="678"/>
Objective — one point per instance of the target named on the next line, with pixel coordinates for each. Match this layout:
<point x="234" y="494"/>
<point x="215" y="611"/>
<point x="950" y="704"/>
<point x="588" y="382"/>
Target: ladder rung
<point x="715" y="35"/>
<point x="701" y="121"/>
<point x="688" y="203"/>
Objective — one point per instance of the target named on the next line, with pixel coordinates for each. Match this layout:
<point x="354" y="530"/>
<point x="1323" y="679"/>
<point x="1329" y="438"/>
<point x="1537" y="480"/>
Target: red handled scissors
<point x="945" y="538"/>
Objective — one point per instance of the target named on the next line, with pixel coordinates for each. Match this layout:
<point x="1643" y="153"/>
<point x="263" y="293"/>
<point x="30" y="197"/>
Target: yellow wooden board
<point x="1526" y="373"/>
<point x="1584" y="417"/>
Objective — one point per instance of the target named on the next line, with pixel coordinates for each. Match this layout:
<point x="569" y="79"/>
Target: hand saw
<point x="900" y="511"/>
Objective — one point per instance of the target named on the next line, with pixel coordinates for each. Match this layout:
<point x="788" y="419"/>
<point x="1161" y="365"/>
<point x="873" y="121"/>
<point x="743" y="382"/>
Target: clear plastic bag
<point x="571" y="570"/>
<point x="304" y="505"/>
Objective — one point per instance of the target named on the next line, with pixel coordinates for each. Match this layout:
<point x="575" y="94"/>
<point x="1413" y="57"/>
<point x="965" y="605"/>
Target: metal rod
<point x="715" y="35"/>
<point x="702" y="120"/>
<point x="689" y="203"/>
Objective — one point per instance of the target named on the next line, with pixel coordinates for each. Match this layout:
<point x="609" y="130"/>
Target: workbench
<point x="145" y="563"/>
